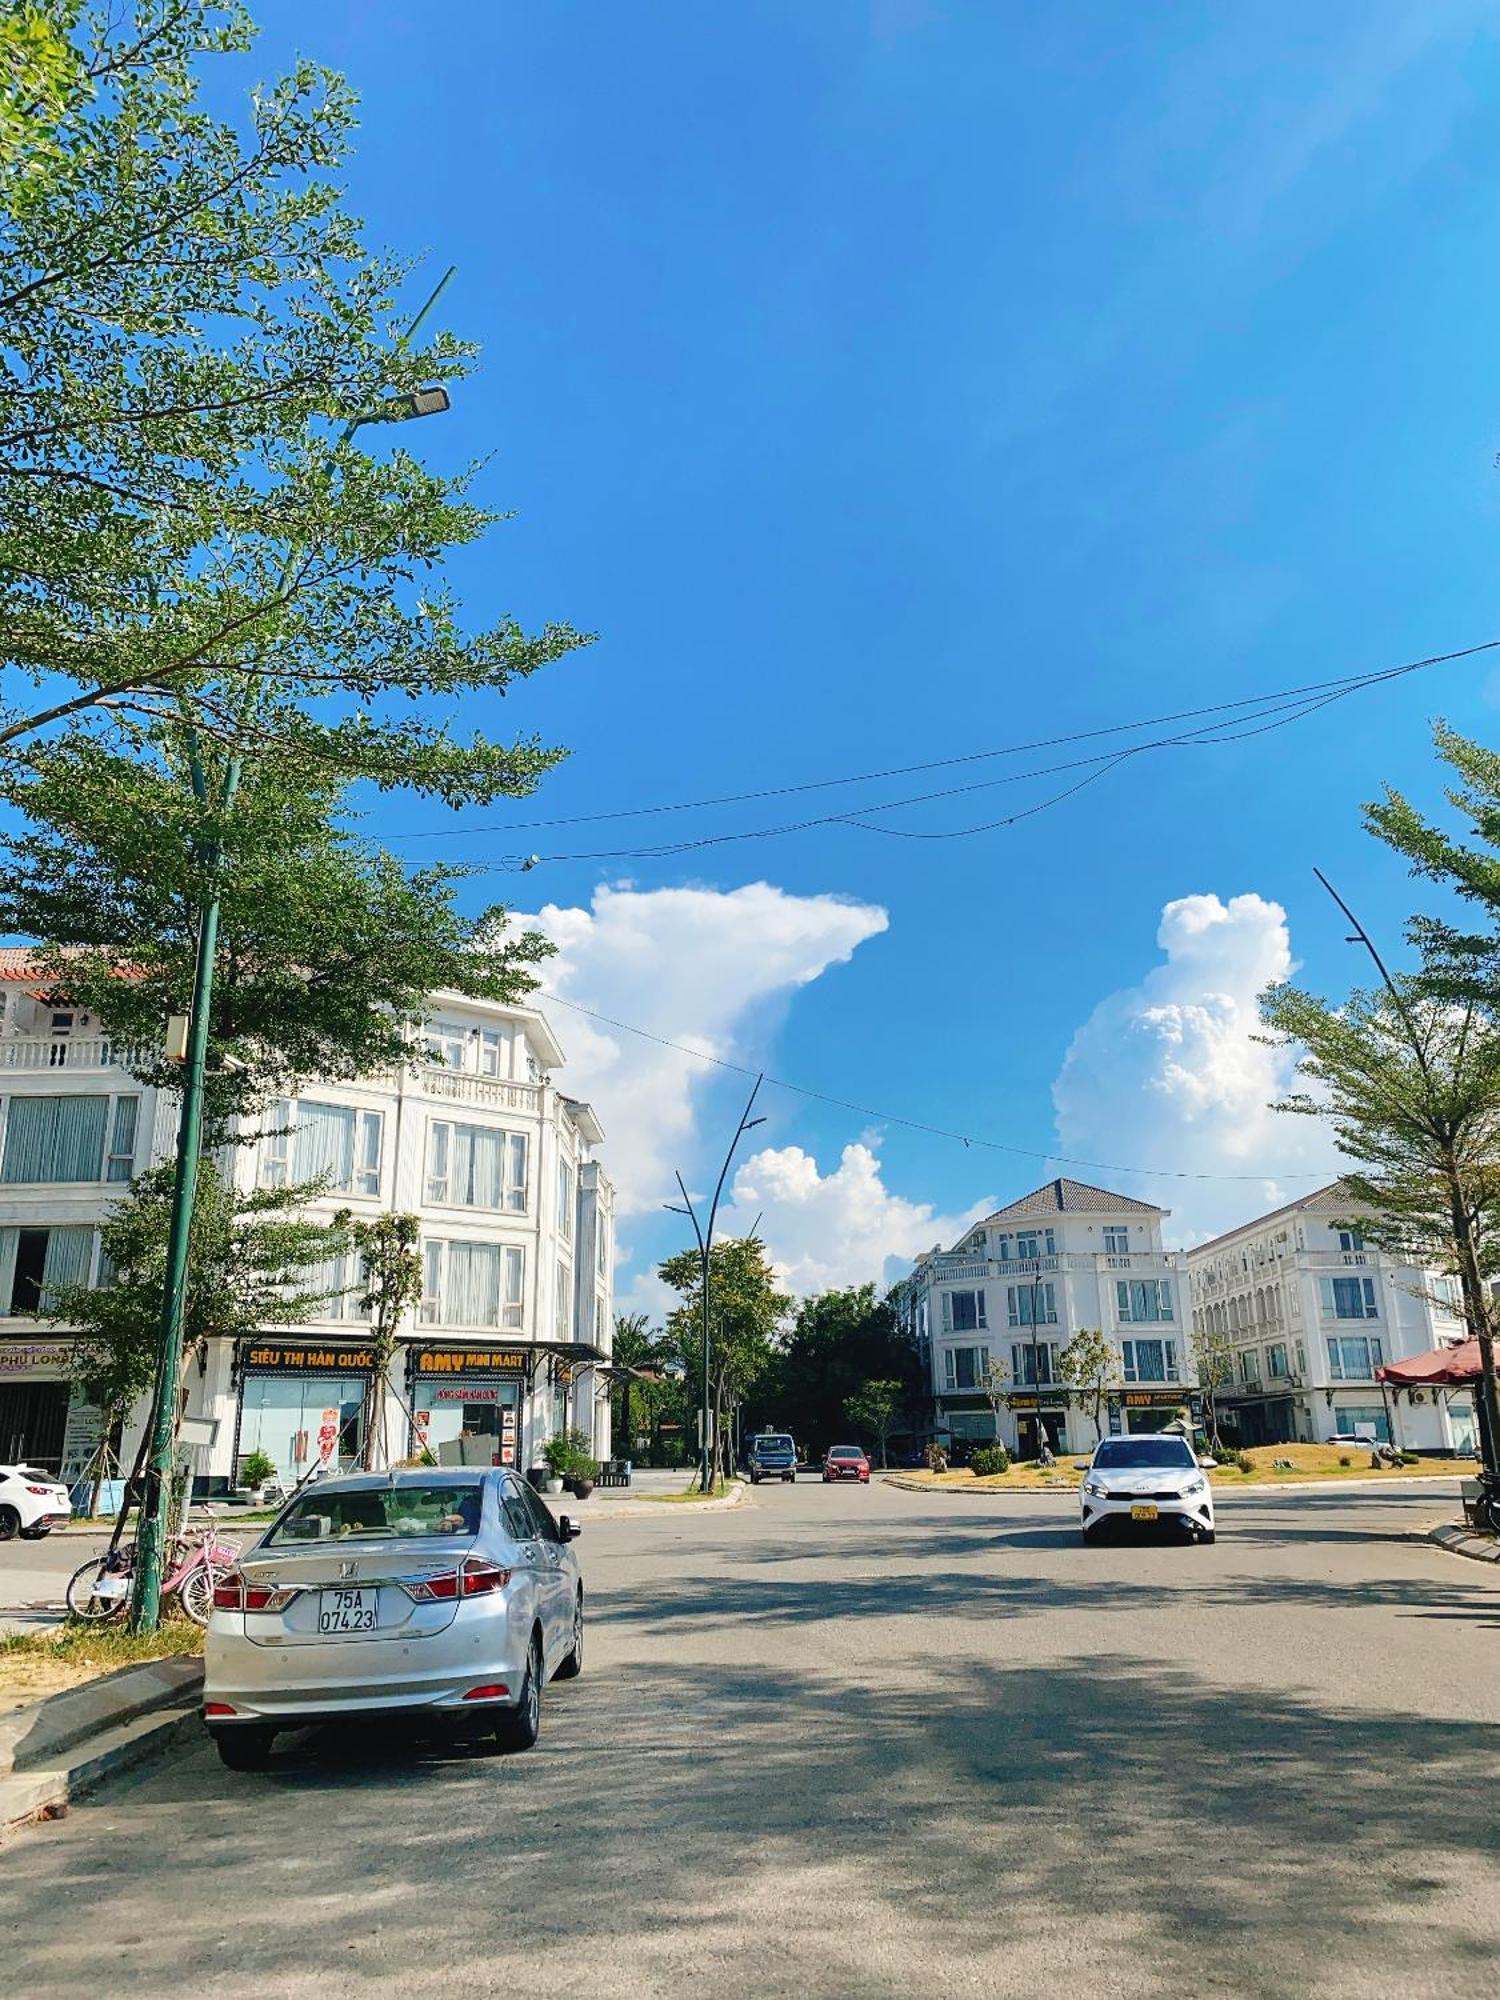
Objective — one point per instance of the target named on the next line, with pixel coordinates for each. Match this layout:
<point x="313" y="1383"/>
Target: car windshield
<point x="773" y="1444"/>
<point x="845" y="1451"/>
<point x="1138" y="1454"/>
<point x="365" y="1512"/>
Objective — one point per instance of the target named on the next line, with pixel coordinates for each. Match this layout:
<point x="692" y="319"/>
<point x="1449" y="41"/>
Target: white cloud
<point x="840" y="1228"/>
<point x="1167" y="1073"/>
<point x="695" y="966"/>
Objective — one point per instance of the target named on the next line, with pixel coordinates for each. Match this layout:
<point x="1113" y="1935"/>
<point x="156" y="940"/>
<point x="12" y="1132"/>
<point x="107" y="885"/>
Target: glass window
<point x="447" y="1042"/>
<point x="563" y="1303"/>
<point x="494" y="1051"/>
<point x="121" y="1162"/>
<point x="1357" y="1418"/>
<point x="518" y="1517"/>
<point x="601" y="1241"/>
<point x="1276" y="1366"/>
<point x="1348" y="1298"/>
<point x="546" y="1527"/>
<point x="1351" y="1239"/>
<point x="282" y="1415"/>
<point x="377" y="1512"/>
<point x="472" y="1284"/>
<point x="965" y="1367"/>
<point x="336" y="1144"/>
<point x="1024" y="1301"/>
<point x="1116" y="1241"/>
<point x="1353" y="1359"/>
<point x="1027" y="1362"/>
<point x="565" y="1201"/>
<point x="1142" y="1454"/>
<point x="963" y="1312"/>
<point x="1144" y="1299"/>
<point x="1249" y="1364"/>
<point x="54" y="1139"/>
<point x="476" y="1166"/>
<point x="1149" y="1360"/>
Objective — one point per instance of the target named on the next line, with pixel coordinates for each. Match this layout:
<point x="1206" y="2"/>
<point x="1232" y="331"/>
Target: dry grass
<point x="1309" y="1462"/>
<point x="36" y="1664"/>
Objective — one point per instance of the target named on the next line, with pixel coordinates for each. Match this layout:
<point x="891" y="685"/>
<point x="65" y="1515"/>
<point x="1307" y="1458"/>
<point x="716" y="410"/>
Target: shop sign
<point x="466" y="1392"/>
<point x="1152" y="1399"/>
<point x="1054" y="1401"/>
<point x="468" y="1361"/>
<point x="20" y="1357"/>
<point x="308" y="1360"/>
<point x="328" y="1435"/>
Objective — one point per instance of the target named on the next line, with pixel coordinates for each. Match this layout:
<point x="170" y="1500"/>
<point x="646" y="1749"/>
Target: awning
<point x="1443" y="1365"/>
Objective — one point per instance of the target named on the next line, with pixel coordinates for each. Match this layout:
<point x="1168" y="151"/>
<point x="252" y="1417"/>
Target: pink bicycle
<point x="101" y="1589"/>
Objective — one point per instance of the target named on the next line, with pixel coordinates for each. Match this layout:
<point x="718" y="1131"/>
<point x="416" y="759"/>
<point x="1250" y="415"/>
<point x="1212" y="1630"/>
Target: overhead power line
<point x="968" y="1139"/>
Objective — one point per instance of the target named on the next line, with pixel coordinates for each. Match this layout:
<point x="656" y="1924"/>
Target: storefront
<point x="1053" y="1421"/>
<point x="1140" y="1411"/>
<point x="34" y="1397"/>
<point x="299" y="1402"/>
<point x="466" y="1403"/>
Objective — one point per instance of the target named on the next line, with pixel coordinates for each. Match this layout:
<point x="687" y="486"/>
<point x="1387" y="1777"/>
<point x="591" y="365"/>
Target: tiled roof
<point x="1335" y="1193"/>
<point x="1064" y="1197"/>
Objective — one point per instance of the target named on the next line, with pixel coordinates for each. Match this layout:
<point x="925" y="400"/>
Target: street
<point x="862" y="1741"/>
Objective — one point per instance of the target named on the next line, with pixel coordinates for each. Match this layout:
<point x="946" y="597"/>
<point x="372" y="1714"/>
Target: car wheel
<point x="1206" y="1535"/>
<point x="246" y="1747"/>
<point x="518" y="1728"/>
<point x="572" y="1666"/>
<point x="755" y="1479"/>
<point x="788" y="1478"/>
<point x="34" y="1534"/>
<point x="10" y="1522"/>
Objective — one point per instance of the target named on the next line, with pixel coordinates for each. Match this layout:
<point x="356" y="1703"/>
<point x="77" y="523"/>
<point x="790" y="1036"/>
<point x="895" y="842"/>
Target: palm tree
<point x="638" y="1352"/>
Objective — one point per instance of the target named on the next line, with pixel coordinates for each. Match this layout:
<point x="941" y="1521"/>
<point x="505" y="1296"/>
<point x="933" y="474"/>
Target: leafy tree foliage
<point x="875" y="1408"/>
<point x="637" y="1353"/>
<point x="837" y="1341"/>
<point x="747" y="1308"/>
<point x="1213" y="1353"/>
<point x="1088" y="1364"/>
<point x="390" y="1253"/>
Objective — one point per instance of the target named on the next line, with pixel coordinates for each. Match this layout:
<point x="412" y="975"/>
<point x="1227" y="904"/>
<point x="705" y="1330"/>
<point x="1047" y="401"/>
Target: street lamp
<point x="1036" y="1366"/>
<point x="146" y="1603"/>
<point x="705" y="1255"/>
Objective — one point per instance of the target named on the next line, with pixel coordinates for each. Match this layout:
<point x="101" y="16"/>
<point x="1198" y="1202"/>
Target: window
<point x="562" y="1319"/>
<point x="339" y="1285"/>
<point x="1370" y="1418"/>
<point x="62" y="1139"/>
<point x="1276" y="1366"/>
<point x="1028" y="1363"/>
<point x="965" y="1367"/>
<point x="1353" y="1358"/>
<point x="493" y="1050"/>
<point x="332" y="1143"/>
<point x="518" y="1518"/>
<point x="1348" y="1298"/>
<point x="476" y="1166"/>
<point x="1301" y="1354"/>
<point x="1351" y="1239"/>
<point x="1116" y="1241"/>
<point x="1036" y="1243"/>
<point x="447" y="1042"/>
<point x="1149" y="1360"/>
<point x="976" y="1241"/>
<point x="472" y="1284"/>
<point x="565" y="1201"/>
<point x="1022" y="1301"/>
<point x="601" y="1243"/>
<point x="601" y="1323"/>
<point x="1249" y="1362"/>
<point x="1144" y="1299"/>
<point x="963" y="1312"/>
<point x="34" y="1261"/>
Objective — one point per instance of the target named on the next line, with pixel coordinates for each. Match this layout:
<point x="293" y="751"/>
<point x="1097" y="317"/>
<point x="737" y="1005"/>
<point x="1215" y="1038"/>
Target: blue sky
<point x="886" y="379"/>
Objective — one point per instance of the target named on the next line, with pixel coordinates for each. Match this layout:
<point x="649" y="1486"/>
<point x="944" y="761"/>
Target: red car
<point x="846" y="1461"/>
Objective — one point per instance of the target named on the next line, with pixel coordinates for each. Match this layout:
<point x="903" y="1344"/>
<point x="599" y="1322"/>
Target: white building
<point x="474" y="1138"/>
<point x="1017" y="1287"/>
<point x="1311" y="1311"/>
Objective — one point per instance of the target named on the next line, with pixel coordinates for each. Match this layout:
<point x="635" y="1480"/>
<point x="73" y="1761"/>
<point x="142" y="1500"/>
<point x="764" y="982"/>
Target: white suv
<point x="32" y="1503"/>
<point x="1144" y="1481"/>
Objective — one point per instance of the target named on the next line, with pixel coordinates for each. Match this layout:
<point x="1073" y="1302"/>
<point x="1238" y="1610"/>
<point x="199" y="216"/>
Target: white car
<point x="1144" y="1482"/>
<point x="32" y="1503"/>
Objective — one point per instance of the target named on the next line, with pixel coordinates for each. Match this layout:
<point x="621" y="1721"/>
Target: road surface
<point x="847" y="1741"/>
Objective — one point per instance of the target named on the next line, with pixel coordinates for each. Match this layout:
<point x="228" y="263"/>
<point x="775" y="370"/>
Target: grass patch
<point x="103" y="1647"/>
<point x="692" y="1494"/>
<point x="1309" y="1462"/>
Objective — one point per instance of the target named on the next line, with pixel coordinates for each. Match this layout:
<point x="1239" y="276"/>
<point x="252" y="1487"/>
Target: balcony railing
<point x="457" y="1086"/>
<point x="59" y="1052"/>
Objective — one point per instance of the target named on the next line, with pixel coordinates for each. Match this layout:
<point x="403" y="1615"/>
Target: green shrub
<point x="1345" y="1459"/>
<point x="990" y="1459"/>
<point x="567" y="1456"/>
<point x="256" y="1467"/>
<point x="937" y="1458"/>
<point x="1409" y="1457"/>
<point x="1245" y="1462"/>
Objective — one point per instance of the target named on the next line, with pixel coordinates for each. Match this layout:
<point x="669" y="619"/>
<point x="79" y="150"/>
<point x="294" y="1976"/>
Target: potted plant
<point x="569" y="1459"/>
<point x="256" y="1467"/>
<point x="557" y="1453"/>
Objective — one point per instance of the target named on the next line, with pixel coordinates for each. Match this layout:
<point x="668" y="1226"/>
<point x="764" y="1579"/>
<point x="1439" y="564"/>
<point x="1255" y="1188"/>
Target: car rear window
<point x="367" y="1512"/>
<point x="1139" y="1454"/>
<point x="773" y="1444"/>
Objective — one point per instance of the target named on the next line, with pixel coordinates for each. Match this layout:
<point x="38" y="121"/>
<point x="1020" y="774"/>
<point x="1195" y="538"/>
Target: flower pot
<point x="582" y="1488"/>
<point x="554" y="1485"/>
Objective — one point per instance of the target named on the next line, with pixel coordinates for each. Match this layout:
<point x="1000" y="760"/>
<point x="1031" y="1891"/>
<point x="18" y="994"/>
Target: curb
<point x="57" y="1748"/>
<point x="1462" y="1542"/>
<point x="979" y="1492"/>
<point x="632" y="1509"/>
<point x="26" y="1796"/>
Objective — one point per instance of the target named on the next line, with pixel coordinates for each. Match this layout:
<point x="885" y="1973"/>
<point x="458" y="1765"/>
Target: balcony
<point x="490" y="1093"/>
<point x="36" y="1053"/>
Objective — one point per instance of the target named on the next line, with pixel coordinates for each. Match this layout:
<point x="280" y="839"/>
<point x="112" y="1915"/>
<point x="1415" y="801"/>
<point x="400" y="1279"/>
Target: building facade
<point x="1306" y="1311"/>
<point x="512" y="1335"/>
<point x="993" y="1314"/>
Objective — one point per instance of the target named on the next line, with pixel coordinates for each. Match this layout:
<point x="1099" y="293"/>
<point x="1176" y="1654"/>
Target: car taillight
<point x="229" y="1592"/>
<point x="42" y="1492"/>
<point x="479" y="1578"/>
<point x="491" y="1691"/>
<point x="427" y="1587"/>
<point x="219" y="1708"/>
<point x="233" y="1593"/>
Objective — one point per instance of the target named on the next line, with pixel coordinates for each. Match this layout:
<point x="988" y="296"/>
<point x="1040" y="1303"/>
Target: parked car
<point x="771" y="1455"/>
<point x="441" y="1596"/>
<point x="1352" y="1441"/>
<point x="846" y="1461"/>
<point x="1144" y="1481"/>
<point x="32" y="1503"/>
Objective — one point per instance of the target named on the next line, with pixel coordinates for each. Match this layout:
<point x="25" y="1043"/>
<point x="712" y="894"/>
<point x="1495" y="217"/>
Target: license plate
<point x="1143" y="1514"/>
<point x="348" y="1610"/>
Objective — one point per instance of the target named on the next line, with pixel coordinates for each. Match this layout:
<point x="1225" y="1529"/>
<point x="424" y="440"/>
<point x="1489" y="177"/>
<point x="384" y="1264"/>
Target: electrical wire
<point x="967" y="1139"/>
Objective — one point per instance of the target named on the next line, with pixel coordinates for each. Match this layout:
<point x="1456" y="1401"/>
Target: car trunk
<point x="339" y="1585"/>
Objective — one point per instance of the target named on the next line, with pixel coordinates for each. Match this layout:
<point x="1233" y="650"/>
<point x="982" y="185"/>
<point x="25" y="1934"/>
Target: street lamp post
<point x="1036" y="1365"/>
<point x="155" y="1500"/>
<point x="705" y="1266"/>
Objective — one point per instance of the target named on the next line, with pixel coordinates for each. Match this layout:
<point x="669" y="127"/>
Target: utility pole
<point x="1036" y="1364"/>
<point x="706" y="1442"/>
<point x="156" y="1498"/>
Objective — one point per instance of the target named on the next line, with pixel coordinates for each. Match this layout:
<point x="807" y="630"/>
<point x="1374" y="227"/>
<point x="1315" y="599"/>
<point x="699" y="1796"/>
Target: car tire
<point x="10" y="1523"/>
<point x="788" y="1478"/>
<point x="572" y="1666"/>
<point x="247" y="1747"/>
<point x="518" y="1728"/>
<point x="34" y="1534"/>
<point x="1206" y="1535"/>
<point x="755" y="1479"/>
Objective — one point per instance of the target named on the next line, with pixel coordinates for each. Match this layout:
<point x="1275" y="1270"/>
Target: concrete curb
<point x="620" y="1509"/>
<point x="1464" y="1542"/>
<point x="978" y="1492"/>
<point x="53" y="1751"/>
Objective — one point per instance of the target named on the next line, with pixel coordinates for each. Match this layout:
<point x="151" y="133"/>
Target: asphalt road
<point x="850" y="1741"/>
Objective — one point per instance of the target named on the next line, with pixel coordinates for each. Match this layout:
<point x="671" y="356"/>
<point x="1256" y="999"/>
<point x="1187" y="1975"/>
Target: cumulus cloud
<point x="1167" y="1074"/>
<point x="844" y="1227"/>
<point x="695" y="966"/>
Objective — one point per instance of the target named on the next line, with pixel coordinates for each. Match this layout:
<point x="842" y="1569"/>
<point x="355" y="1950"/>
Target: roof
<point x="1064" y="1197"/>
<point x="1335" y="1188"/>
<point x="585" y="1118"/>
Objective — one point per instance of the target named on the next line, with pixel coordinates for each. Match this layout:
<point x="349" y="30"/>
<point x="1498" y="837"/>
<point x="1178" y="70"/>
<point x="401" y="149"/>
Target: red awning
<point x="1442" y="1365"/>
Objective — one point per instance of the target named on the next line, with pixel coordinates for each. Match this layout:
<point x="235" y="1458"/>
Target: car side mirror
<point x="568" y="1528"/>
<point x="1080" y="1465"/>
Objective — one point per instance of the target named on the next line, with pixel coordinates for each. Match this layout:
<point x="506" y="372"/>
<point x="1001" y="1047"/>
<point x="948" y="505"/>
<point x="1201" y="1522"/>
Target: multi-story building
<point x="473" y="1137"/>
<point x="1309" y="1311"/>
<point x="993" y="1314"/>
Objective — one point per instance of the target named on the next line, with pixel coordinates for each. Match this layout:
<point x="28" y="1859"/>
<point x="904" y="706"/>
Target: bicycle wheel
<point x="197" y="1595"/>
<point x="99" y="1590"/>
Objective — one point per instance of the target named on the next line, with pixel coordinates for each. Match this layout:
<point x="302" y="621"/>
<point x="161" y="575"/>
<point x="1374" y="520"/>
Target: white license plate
<point x="1143" y="1514"/>
<point x="348" y="1610"/>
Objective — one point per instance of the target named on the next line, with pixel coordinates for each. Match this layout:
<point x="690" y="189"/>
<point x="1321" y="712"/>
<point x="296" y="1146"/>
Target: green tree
<point x="38" y="77"/>
<point x="1213" y="1355"/>
<point x="636" y="1353"/>
<point x="747" y="1309"/>
<point x="837" y="1341"/>
<point x="875" y="1408"/>
<point x="1411" y="1086"/>
<point x="390" y="1253"/>
<point x="253" y="1263"/>
<point x="994" y="1386"/>
<point x="1088" y="1364"/>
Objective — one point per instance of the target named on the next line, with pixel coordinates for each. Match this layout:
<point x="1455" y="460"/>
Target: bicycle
<point x="100" y="1590"/>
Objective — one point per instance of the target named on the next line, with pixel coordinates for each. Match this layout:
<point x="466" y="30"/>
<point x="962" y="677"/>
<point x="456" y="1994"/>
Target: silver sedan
<point x="443" y="1595"/>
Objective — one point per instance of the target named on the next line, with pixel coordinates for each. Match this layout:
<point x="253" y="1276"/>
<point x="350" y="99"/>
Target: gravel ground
<point x="851" y="1740"/>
